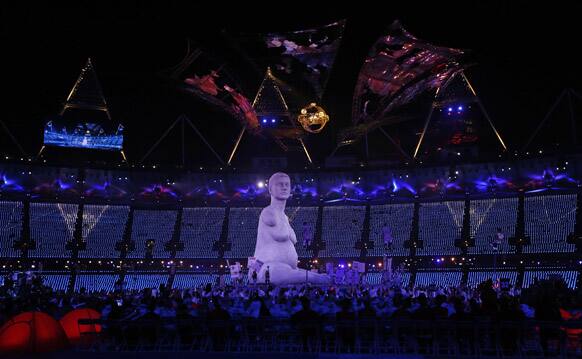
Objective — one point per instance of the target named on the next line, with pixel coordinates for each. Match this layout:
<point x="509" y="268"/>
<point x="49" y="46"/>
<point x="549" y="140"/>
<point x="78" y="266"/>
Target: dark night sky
<point x="525" y="55"/>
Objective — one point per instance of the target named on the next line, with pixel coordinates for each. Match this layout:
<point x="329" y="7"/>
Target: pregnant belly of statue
<point x="272" y="251"/>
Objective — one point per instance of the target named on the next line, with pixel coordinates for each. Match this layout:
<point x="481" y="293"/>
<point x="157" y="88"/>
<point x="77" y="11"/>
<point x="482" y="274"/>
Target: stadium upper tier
<point x="152" y="184"/>
<point x="52" y="230"/>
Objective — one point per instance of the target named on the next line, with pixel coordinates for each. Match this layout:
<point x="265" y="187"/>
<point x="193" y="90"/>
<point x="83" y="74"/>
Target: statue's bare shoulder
<point x="268" y="216"/>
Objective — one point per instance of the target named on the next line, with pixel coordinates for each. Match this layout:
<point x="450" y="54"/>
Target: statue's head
<point x="280" y="186"/>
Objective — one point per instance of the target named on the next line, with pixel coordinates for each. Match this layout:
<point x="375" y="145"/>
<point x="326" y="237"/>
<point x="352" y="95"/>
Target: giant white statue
<point x="276" y="240"/>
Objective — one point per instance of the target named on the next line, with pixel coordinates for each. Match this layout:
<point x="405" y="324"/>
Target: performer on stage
<point x="307" y="235"/>
<point x="497" y="240"/>
<point x="387" y="234"/>
<point x="276" y="239"/>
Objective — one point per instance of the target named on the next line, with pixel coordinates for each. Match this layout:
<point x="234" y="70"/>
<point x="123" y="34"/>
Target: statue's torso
<point x="270" y="250"/>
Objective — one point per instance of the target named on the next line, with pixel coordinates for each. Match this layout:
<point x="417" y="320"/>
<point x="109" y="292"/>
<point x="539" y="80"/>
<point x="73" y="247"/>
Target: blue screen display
<point x="85" y="135"/>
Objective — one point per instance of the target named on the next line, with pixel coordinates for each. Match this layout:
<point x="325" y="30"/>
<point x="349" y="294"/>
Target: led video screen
<point x="83" y="135"/>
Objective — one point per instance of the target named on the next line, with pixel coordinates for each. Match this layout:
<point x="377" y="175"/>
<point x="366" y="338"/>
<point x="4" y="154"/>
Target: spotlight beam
<point x="484" y="111"/>
<point x="305" y="150"/>
<point x="394" y="143"/>
<point x="423" y="130"/>
<point x="240" y="135"/>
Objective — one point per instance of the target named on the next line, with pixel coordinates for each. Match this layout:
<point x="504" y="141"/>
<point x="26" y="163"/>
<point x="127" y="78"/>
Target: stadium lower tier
<point x="108" y="281"/>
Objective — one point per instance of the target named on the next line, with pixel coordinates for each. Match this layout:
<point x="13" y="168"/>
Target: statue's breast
<point x="286" y="223"/>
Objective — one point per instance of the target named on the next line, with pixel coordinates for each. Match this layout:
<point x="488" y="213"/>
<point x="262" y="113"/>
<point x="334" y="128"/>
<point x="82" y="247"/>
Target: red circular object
<point x="32" y="332"/>
<point x="75" y="331"/>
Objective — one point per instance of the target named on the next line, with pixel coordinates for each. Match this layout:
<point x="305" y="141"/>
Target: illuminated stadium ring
<point x="313" y="118"/>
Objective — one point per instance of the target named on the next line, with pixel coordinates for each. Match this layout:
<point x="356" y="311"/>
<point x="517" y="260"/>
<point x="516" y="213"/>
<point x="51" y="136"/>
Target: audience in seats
<point x="96" y="282"/>
<point x="342" y="228"/>
<point x="199" y="230"/>
<point x="193" y="280"/>
<point x="440" y="226"/>
<point x="487" y="217"/>
<point x="52" y="225"/>
<point x="141" y="281"/>
<point x="10" y="228"/>
<point x="242" y="232"/>
<point x="548" y="221"/>
<point x="476" y="277"/>
<point x="103" y="227"/>
<point x="303" y="221"/>
<point x="531" y="276"/>
<point x="398" y="219"/>
<point x="438" y="279"/>
<point x="148" y="226"/>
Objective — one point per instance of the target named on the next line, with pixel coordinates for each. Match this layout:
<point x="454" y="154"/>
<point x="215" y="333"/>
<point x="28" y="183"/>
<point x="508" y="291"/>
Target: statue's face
<point x="280" y="187"/>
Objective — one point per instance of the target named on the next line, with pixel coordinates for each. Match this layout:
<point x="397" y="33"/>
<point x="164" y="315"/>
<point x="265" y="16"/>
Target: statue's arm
<point x="292" y="236"/>
<point x="268" y="218"/>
